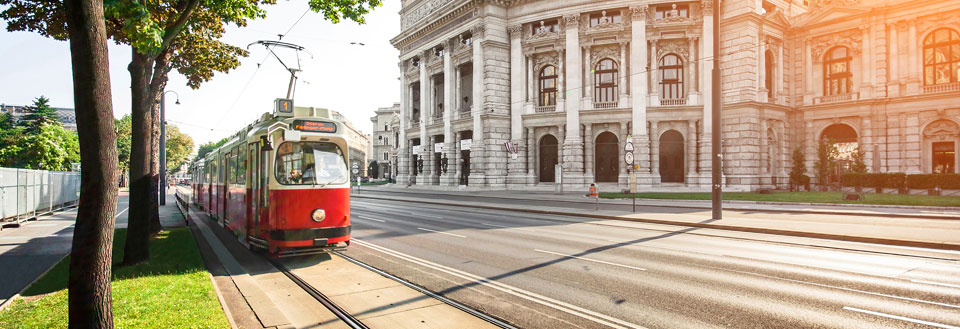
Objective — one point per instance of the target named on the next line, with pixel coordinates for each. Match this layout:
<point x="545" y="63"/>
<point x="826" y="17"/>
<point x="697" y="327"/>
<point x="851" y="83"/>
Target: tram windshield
<point x="310" y="163"/>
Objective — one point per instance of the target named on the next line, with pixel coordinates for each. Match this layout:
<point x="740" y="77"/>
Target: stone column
<point x="893" y="83"/>
<point x="532" y="150"/>
<point x="622" y="74"/>
<point x="783" y="153"/>
<point x="778" y="82"/>
<point x="913" y="78"/>
<point x="655" y="151"/>
<point x="590" y="154"/>
<point x="694" y="81"/>
<point x="515" y="168"/>
<point x="587" y="79"/>
<point x="808" y="91"/>
<point x="531" y="82"/>
<point x="403" y="158"/>
<point x="639" y="91"/>
<point x="477" y="159"/>
<point x="457" y="96"/>
<point x="762" y="88"/>
<point x="691" y="152"/>
<point x="561" y="83"/>
<point x="765" y="157"/>
<point x="561" y="151"/>
<point x="621" y="142"/>
<point x="654" y="74"/>
<point x="707" y="58"/>
<point x="423" y="179"/>
<point x="572" y="145"/>
<point x="866" y="56"/>
<point x="450" y="106"/>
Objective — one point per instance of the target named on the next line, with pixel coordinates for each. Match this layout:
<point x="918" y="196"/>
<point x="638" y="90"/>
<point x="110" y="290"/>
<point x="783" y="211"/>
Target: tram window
<point x="308" y="163"/>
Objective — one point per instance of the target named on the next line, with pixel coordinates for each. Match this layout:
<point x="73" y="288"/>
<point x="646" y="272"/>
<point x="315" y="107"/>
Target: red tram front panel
<point x="290" y="223"/>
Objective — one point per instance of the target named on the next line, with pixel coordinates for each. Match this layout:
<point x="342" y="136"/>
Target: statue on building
<point x="542" y="28"/>
<point x="604" y="19"/>
<point x="673" y="13"/>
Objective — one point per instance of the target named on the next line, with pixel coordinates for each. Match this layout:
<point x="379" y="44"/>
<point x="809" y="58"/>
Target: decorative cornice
<point x="943" y="19"/>
<point x="850" y="38"/>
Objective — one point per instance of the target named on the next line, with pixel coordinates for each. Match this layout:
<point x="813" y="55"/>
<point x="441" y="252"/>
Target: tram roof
<point x="267" y="120"/>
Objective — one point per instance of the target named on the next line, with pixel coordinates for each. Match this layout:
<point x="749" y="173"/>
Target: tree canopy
<point x="179" y="146"/>
<point x="38" y="141"/>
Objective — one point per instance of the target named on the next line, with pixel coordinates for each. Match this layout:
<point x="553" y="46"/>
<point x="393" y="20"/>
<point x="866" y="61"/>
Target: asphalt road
<point x="541" y="271"/>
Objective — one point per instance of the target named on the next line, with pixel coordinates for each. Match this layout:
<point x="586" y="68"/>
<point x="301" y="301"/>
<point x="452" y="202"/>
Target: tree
<point x="163" y="35"/>
<point x="373" y="169"/>
<point x="858" y="165"/>
<point x="798" y="175"/>
<point x="179" y="146"/>
<point x="88" y="286"/>
<point x="826" y="164"/>
<point x="123" y="144"/>
<point x="39" y="114"/>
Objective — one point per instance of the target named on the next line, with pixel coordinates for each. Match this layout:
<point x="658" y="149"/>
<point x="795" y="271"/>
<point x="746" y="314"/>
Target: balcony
<point x="941" y="88"/>
<point x="673" y="102"/>
<point x="605" y="105"/>
<point x="464" y="112"/>
<point x="837" y="98"/>
<point x="545" y="109"/>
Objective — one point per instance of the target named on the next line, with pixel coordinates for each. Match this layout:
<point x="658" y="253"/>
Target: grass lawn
<point x="172" y="291"/>
<point x="814" y="197"/>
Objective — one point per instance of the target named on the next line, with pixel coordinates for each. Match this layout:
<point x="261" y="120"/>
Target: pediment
<point x="778" y="17"/>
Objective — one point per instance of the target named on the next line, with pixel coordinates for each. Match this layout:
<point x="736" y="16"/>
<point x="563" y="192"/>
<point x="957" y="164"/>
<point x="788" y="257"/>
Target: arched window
<point x="548" y="86"/>
<point x="836" y="72"/>
<point x="768" y="74"/>
<point x="941" y="57"/>
<point x="671" y="77"/>
<point x="606" y="77"/>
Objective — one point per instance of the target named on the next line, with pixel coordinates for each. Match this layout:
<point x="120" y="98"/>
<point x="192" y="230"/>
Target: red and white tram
<point x="280" y="184"/>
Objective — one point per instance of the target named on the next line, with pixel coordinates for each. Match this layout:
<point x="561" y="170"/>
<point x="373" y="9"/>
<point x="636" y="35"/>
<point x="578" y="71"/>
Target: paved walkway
<point x="872" y="226"/>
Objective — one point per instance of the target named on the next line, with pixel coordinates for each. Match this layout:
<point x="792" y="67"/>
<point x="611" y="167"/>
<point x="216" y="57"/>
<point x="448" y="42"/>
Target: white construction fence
<point x="26" y="193"/>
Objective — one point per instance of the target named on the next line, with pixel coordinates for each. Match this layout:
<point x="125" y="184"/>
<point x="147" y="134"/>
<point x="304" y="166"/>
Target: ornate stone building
<point x="383" y="141"/>
<point x="503" y="93"/>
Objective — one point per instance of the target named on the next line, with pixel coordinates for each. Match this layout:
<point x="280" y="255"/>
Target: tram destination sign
<point x="315" y="126"/>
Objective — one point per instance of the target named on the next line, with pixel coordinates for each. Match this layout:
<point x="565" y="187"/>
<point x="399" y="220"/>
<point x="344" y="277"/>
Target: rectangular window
<point x="605" y="17"/>
<point x="668" y="11"/>
<point x="944" y="158"/>
<point x="545" y="26"/>
<point x="386" y="156"/>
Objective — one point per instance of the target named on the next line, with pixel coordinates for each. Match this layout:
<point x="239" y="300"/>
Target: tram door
<point x="253" y="195"/>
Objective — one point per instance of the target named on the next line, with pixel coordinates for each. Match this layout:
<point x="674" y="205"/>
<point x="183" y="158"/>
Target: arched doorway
<point x="671" y="157"/>
<point x="606" y="158"/>
<point x="844" y="139"/>
<point x="548" y="158"/>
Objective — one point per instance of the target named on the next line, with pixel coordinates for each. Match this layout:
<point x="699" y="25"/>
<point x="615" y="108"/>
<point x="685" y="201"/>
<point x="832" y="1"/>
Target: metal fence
<point x="27" y="193"/>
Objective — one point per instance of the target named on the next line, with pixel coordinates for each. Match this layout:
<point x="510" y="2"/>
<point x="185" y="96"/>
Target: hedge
<point x="851" y="179"/>
<point x="949" y="181"/>
<point x="873" y="180"/>
<point x="922" y="182"/>
<point x="897" y="180"/>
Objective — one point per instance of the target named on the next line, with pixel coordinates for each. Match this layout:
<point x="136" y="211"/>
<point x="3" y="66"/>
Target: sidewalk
<point x="793" y="207"/>
<point x="255" y="294"/>
<point x="872" y="226"/>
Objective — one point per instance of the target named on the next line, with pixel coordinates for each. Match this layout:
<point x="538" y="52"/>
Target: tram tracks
<point x="352" y="321"/>
<point x="342" y="314"/>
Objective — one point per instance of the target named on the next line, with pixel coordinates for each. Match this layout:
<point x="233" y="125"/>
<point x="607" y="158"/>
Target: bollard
<point x="595" y="195"/>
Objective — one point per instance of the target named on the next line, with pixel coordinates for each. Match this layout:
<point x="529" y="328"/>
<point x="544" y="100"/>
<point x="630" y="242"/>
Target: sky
<point x="354" y="80"/>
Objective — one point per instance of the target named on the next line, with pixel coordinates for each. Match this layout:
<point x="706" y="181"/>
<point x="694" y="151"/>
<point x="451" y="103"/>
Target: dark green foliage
<point x="39" y="114"/>
<point x="825" y="166"/>
<point x="872" y="180"/>
<point x="38" y="141"/>
<point x="373" y="170"/>
<point x="851" y="179"/>
<point x="922" y="182"/>
<point x="858" y="166"/>
<point x="896" y="180"/>
<point x="949" y="181"/>
<point x="797" y="173"/>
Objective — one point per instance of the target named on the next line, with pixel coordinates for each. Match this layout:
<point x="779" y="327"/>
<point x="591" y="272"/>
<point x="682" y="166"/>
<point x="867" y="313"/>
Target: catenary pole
<point x="715" y="120"/>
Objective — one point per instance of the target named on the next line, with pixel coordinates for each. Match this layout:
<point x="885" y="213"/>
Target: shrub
<point x="803" y="180"/>
<point x="949" y="181"/>
<point x="922" y="182"/>
<point x="851" y="179"/>
<point x="897" y="180"/>
<point x="873" y="180"/>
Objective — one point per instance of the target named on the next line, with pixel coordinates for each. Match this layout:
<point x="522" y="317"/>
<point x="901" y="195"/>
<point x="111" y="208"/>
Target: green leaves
<point x="179" y="146"/>
<point x="335" y="10"/>
<point x="137" y="25"/>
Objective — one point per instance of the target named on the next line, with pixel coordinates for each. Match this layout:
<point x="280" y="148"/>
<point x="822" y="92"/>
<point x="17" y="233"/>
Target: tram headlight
<point x="318" y="215"/>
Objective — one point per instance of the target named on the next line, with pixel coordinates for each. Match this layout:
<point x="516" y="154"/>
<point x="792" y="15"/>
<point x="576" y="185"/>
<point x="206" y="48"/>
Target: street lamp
<point x="716" y="192"/>
<point x="163" y="145"/>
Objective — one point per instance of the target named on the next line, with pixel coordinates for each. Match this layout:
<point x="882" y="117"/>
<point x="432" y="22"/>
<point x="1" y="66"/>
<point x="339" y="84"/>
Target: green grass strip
<point x="803" y="197"/>
<point x="172" y="291"/>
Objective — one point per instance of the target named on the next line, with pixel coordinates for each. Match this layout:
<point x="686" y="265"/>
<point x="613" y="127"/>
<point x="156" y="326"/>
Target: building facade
<point x="356" y="140"/>
<point x="523" y="93"/>
<point x="383" y="141"/>
<point x="66" y="116"/>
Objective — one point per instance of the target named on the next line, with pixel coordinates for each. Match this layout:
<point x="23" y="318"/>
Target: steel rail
<point x="485" y="317"/>
<point x="342" y="314"/>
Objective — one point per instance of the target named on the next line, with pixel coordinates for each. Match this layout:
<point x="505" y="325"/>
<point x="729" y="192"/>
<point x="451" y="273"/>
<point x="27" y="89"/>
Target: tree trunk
<point x="90" y="300"/>
<point x="136" y="247"/>
<point x="158" y="82"/>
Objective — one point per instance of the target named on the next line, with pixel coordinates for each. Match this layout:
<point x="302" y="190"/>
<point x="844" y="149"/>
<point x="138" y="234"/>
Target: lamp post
<point x="716" y="191"/>
<point x="163" y="146"/>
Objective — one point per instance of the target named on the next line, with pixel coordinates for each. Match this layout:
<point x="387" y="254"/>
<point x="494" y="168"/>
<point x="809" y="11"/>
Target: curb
<point x="223" y="303"/>
<point x="733" y="202"/>
<point x="826" y="236"/>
